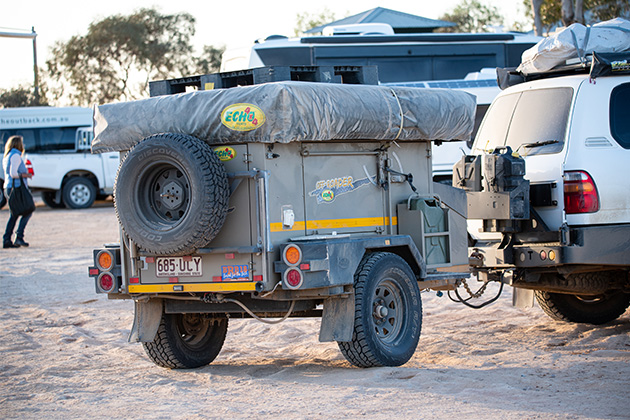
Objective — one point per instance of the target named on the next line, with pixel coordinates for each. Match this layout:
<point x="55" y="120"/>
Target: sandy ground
<point x="64" y="354"/>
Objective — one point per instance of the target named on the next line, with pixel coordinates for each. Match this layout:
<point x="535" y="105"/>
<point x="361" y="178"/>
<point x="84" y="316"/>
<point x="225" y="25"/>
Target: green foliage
<point x="306" y="21"/>
<point x="607" y="9"/>
<point x="472" y="16"/>
<point x="209" y="61"/>
<point x="21" y="96"/>
<point x="120" y="54"/>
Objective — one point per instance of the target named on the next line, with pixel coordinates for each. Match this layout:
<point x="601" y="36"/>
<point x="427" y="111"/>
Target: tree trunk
<point x="579" y="11"/>
<point x="538" y="25"/>
<point x="568" y="17"/>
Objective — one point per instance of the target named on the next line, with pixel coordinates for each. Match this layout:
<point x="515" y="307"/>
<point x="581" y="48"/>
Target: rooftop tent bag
<point x="21" y="201"/>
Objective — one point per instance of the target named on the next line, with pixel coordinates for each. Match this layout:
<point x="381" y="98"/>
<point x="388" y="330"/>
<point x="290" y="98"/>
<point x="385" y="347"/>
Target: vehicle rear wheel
<point x="388" y="313"/>
<point x="583" y="309"/>
<point x="48" y="197"/>
<point x="78" y="193"/>
<point x="187" y="341"/>
<point x="171" y="194"/>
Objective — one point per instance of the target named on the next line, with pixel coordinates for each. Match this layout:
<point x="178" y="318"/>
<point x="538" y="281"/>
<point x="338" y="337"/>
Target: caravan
<point x="57" y="144"/>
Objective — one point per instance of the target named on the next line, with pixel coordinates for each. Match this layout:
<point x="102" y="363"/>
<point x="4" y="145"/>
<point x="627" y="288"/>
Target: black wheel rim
<point x="193" y="330"/>
<point x="388" y="311"/>
<point x="164" y="194"/>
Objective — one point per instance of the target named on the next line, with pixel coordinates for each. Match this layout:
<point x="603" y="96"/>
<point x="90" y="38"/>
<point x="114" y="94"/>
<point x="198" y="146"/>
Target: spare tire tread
<point x="208" y="213"/>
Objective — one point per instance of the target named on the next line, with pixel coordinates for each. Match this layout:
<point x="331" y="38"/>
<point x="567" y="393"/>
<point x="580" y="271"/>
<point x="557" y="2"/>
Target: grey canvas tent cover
<point x="290" y="111"/>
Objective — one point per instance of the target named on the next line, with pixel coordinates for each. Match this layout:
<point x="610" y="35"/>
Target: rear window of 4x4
<point x="532" y="122"/>
<point x="619" y="112"/>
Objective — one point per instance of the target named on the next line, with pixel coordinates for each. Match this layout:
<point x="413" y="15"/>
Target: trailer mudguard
<point x="337" y="319"/>
<point x="146" y="320"/>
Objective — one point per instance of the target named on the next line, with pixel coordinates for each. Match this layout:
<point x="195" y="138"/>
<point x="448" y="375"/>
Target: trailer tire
<point x="187" y="341"/>
<point x="388" y="313"/>
<point x="171" y="194"/>
<point x="583" y="309"/>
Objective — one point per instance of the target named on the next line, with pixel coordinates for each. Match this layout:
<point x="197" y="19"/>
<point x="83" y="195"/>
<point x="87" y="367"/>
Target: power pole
<point x="32" y="35"/>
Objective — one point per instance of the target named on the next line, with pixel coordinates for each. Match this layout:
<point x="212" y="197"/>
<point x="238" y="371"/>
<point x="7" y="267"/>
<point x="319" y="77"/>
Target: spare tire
<point x="171" y="194"/>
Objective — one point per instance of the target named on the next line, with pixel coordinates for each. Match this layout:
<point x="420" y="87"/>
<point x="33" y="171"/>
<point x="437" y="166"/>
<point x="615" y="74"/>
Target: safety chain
<point x="479" y="292"/>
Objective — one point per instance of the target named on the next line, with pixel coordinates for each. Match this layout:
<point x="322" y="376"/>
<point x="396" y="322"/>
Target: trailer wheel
<point x="583" y="309"/>
<point x="171" y="194"/>
<point x="78" y="193"/>
<point x="187" y="341"/>
<point x="388" y="313"/>
<point x="48" y="197"/>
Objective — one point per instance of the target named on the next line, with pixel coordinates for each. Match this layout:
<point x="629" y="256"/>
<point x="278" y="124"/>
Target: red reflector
<point x="106" y="282"/>
<point x="294" y="277"/>
<point x="258" y="278"/>
<point x="216" y="278"/>
<point x="229" y="256"/>
<point x="134" y="280"/>
<point x="94" y="271"/>
<point x="173" y="279"/>
<point x="305" y="267"/>
<point x="150" y="260"/>
<point x="580" y="193"/>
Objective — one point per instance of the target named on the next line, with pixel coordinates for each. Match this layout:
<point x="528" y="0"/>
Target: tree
<point x="209" y="61"/>
<point x="551" y="12"/>
<point x="472" y="16"/>
<point x="120" y="54"/>
<point x="306" y="21"/>
<point x="21" y="96"/>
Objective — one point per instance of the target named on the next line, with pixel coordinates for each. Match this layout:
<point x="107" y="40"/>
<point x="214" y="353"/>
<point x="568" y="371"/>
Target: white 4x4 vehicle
<point x="572" y="250"/>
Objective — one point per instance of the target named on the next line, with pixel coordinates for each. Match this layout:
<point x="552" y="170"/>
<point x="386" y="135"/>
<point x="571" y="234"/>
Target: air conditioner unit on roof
<point x="359" y="29"/>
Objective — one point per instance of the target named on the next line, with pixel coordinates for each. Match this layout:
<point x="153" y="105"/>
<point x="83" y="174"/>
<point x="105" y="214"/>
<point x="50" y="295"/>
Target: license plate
<point x="178" y="267"/>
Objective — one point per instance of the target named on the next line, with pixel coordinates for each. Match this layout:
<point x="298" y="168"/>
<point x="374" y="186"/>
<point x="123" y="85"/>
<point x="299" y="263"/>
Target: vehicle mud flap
<point x="522" y="298"/>
<point x="146" y="320"/>
<point x="337" y="319"/>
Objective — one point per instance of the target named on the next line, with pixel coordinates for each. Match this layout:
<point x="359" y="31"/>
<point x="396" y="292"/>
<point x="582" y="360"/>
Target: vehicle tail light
<point x="292" y="255"/>
<point x="104" y="260"/>
<point x="106" y="282"/>
<point x="293" y="278"/>
<point x="580" y="193"/>
<point x="29" y="167"/>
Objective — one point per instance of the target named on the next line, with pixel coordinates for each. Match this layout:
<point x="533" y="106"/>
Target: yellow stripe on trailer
<point x="335" y="224"/>
<point x="193" y="287"/>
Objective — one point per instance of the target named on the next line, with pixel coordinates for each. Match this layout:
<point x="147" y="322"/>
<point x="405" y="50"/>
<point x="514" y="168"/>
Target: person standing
<point x="15" y="173"/>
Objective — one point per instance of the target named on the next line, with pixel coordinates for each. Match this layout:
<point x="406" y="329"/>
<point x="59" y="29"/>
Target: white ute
<point x="57" y="143"/>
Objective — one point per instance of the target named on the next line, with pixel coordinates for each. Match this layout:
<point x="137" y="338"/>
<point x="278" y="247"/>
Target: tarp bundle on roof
<point x="576" y="41"/>
<point x="283" y="112"/>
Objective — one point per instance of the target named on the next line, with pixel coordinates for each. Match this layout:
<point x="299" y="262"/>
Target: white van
<point x="57" y="143"/>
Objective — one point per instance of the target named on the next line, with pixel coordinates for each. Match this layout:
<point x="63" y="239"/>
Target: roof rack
<point x="595" y="64"/>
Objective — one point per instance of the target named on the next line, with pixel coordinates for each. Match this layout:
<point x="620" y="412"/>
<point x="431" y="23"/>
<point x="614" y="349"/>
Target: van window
<point x="524" y="119"/>
<point x="619" y="111"/>
<point x="57" y="139"/>
<point x="45" y="140"/>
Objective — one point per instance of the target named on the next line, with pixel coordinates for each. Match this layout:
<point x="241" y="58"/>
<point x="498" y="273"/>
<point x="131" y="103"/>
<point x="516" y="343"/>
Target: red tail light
<point x="106" y="282"/>
<point x="580" y="193"/>
<point x="292" y="278"/>
<point x="29" y="167"/>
